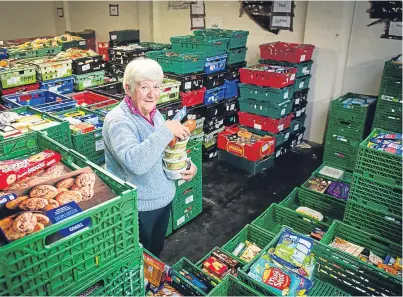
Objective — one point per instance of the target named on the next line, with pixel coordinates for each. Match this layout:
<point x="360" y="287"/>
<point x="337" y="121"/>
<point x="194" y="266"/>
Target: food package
<point x="193" y="279"/>
<point x="281" y="281"/>
<point x="167" y="290"/>
<point x="310" y="213"/>
<point x="347" y="247"/>
<point x="387" y="142"/>
<point x="339" y="190"/>
<point x="317" y="233"/>
<point x="153" y="270"/>
<point x="217" y="268"/>
<point x="81" y="128"/>
<point x="332" y="172"/>
<point x="317" y="184"/>
<point x="12" y="171"/>
<point x="250" y="251"/>
<point x="227" y="260"/>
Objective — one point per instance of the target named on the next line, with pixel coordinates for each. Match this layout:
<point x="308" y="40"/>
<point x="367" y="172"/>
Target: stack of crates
<point x="350" y="121"/>
<point x="375" y="202"/>
<point x="17" y="79"/>
<point x="388" y="113"/>
<point x="298" y="56"/>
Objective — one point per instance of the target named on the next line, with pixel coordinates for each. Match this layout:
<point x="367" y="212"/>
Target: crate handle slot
<point x="381" y="240"/>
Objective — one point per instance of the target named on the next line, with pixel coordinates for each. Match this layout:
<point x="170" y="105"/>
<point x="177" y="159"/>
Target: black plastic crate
<point x="233" y="70"/>
<point x="196" y="112"/>
<point x="301" y="96"/>
<point x="282" y="149"/>
<point x="124" y="35"/>
<point x="114" y="90"/>
<point x="214" y="124"/>
<point x="215" y="110"/>
<point x="215" y="80"/>
<point x="87" y="64"/>
<point x="231" y="105"/>
<point x="189" y="82"/>
<point x="231" y="119"/>
<point x="125" y="56"/>
<point x="114" y="43"/>
<point x="210" y="153"/>
<point x="115" y="69"/>
<point x="299" y="110"/>
<point x="296" y="138"/>
<point x="169" y="110"/>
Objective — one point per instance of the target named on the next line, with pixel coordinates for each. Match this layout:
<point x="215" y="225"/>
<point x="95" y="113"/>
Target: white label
<point x="221" y="122"/>
<point x="292" y="76"/>
<point x="285" y="95"/>
<point x="281" y="21"/>
<point x="305" y="70"/>
<point x="212" y="67"/>
<point x="99" y="145"/>
<point x="395" y="29"/>
<point x="53" y="89"/>
<point x="86" y="67"/>
<point x="189" y="199"/>
<point x="114" y="37"/>
<point x="283" y="111"/>
<point x="61" y="72"/>
<point x="297" y="101"/>
<point x="180" y="221"/>
<point x="150" y="269"/>
<point x="170" y="112"/>
<point x="191" y="117"/>
<point x="257" y="126"/>
<point x="87" y="83"/>
<point x="302" y="58"/>
<point x="298" y="113"/>
<point x="13" y="80"/>
<point x="282" y="6"/>
<point x="261" y="107"/>
<point x="278" y="153"/>
<point x="82" y="42"/>
<point x="280" y="127"/>
<point x="301" y="84"/>
<point x="232" y="106"/>
<point x="304" y="109"/>
<point x="211" y="155"/>
<point x="287" y="135"/>
<point x="300" y="137"/>
<point x="265" y="147"/>
<point x="296" y="127"/>
<point x="181" y="182"/>
<point x="188" y="85"/>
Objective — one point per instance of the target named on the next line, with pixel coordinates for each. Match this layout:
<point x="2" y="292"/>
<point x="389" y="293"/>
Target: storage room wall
<point x="21" y="19"/>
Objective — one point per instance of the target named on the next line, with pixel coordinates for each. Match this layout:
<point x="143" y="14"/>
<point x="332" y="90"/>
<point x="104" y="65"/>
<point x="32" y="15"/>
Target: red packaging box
<point x="192" y="98"/>
<point x="20" y="89"/>
<point x="264" y="145"/>
<point x="264" y="123"/>
<point x="286" y="52"/>
<point x="264" y="75"/>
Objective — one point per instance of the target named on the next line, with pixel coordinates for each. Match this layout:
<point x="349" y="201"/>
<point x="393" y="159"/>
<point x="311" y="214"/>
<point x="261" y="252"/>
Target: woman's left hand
<point x="188" y="175"/>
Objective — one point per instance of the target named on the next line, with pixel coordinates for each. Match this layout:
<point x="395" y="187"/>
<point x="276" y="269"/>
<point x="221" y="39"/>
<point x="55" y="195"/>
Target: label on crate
<point x="181" y="182"/>
<point x="257" y="126"/>
<point x="297" y="101"/>
<point x="212" y="67"/>
<point x="300" y="136"/>
<point x="304" y="109"/>
<point x="114" y="37"/>
<point x="188" y="85"/>
<point x="170" y="112"/>
<point x="232" y="106"/>
<point x="296" y="127"/>
<point x="54" y="89"/>
<point x="278" y="153"/>
<point x="283" y="111"/>
<point x="286" y="95"/>
<point x="287" y="135"/>
<point x="305" y="70"/>
<point x="65" y="211"/>
<point x="280" y="127"/>
<point x="301" y="85"/>
<point x="82" y="42"/>
<point x="180" y="221"/>
<point x="189" y="199"/>
<point x="292" y="76"/>
<point x="211" y="155"/>
<point x="14" y="80"/>
<point x="86" y="67"/>
<point x="87" y="83"/>
<point x="302" y="58"/>
<point x="61" y="72"/>
<point x="298" y="113"/>
<point x="99" y="145"/>
<point x="265" y="147"/>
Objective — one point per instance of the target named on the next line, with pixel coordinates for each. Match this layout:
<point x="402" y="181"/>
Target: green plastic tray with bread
<point x="49" y="69"/>
<point x="30" y="266"/>
<point x="15" y="146"/>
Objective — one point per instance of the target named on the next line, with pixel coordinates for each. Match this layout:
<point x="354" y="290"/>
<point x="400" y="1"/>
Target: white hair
<point x="139" y="70"/>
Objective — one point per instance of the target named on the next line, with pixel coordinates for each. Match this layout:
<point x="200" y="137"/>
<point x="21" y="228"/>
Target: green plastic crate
<point x="251" y="167"/>
<point x="170" y="228"/>
<point x="169" y="91"/>
<point x="187" y="194"/>
<point x="349" y="148"/>
<point x="265" y="108"/>
<point x="93" y="79"/>
<point x="73" y="44"/>
<point x="376" y="244"/>
<point x="302" y="83"/>
<point x="346" y="129"/>
<point x="266" y="94"/>
<point x="231" y="286"/>
<point x="184" y="263"/>
<point x="341" y="159"/>
<point x="21" y="54"/>
<point x="47" y="69"/>
<point x="179" y="63"/>
<point x="251" y="233"/>
<point x="194" y="152"/>
<point x="281" y="137"/>
<point x="393" y="69"/>
<point x="303" y="68"/>
<point x="367" y="191"/>
<point x="13" y="146"/>
<point x="237" y="38"/>
<point x="389" y="122"/>
<point x="347" y="175"/>
<point x="277" y="216"/>
<point x="48" y="51"/>
<point x="379" y="165"/>
<point x="181" y="218"/>
<point x="208" y="255"/>
<point x="374" y="221"/>
<point x="297" y="123"/>
<point x="18" y="75"/>
<point x="331" y="209"/>
<point x="156" y="46"/>
<point x="237" y="55"/>
<point x="64" y="264"/>
<point x="210" y="45"/>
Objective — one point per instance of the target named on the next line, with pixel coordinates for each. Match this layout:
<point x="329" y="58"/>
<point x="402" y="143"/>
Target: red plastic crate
<point x="287" y="52"/>
<point x="264" y="123"/>
<point x="192" y="98"/>
<point x="20" y="89"/>
<point x="103" y="50"/>
<point x="89" y="98"/>
<point x="260" y="75"/>
<point x="253" y="152"/>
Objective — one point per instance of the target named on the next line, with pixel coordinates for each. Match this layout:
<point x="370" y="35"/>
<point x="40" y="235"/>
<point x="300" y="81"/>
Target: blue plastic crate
<point x="57" y="106"/>
<point x="3" y="53"/>
<point x="32" y="98"/>
<point x="231" y="88"/>
<point x="215" y="64"/>
<point x="59" y="85"/>
<point x="3" y="56"/>
<point x="214" y="95"/>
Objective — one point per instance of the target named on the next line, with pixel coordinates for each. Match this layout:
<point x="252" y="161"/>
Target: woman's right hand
<point x="177" y="129"/>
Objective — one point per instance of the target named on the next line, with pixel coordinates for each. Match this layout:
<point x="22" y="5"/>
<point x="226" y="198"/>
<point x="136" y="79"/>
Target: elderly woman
<point x="135" y="135"/>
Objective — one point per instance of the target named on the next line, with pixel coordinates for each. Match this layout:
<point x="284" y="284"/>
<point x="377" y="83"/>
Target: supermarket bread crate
<point x="376" y="244"/>
<point x="155" y="46"/>
<point x="265" y="108"/>
<point x="179" y="63"/>
<point x="300" y="109"/>
<point x="59" y="85"/>
<point x="233" y="70"/>
<point x="195" y="112"/>
<point x="231" y="286"/>
<point x="393" y="68"/>
<point x="286" y="52"/>
<point x="264" y="123"/>
<point x="21" y="54"/>
<point x="214" y="95"/>
<point x="252" y="167"/>
<point x="213" y="124"/>
<point x="301" y="97"/>
<point x="64" y="264"/>
<point x="16" y="76"/>
<point x="210" y="153"/>
<point x="303" y="68"/>
<point x="87" y="64"/>
<point x="297" y="123"/>
<point x="192" y="98"/>
<point x="48" y="51"/>
<point x="231" y="105"/>
<point x="215" y="80"/>
<point x="237" y="38"/>
<point x="379" y="165"/>
<point x="49" y="69"/>
<point x="215" y="64"/>
<point x="266" y="94"/>
<point x="18" y="90"/>
<point x="92" y="79"/>
<point x="114" y="90"/>
<point x="302" y="83"/>
<point x="281" y="137"/>
<point x="194" y="152"/>
<point x="388" y="116"/>
<point x="169" y="109"/>
<point x="213" y="111"/>
<point x="236" y="55"/>
<point x="185" y="214"/>
<point x="124" y="35"/>
<point x="74" y="44"/>
<point x="231" y="88"/>
<point x="26" y="143"/>
<point x="169" y="91"/>
<point x="33" y="98"/>
<point x="251" y="233"/>
<point x="331" y="209"/>
<point x="115" y="69"/>
<point x="210" y="46"/>
<point x="268" y="76"/>
<point x="189" y="82"/>
<point x="125" y="54"/>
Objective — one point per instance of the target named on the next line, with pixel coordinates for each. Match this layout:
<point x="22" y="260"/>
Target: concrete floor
<point x="233" y="199"/>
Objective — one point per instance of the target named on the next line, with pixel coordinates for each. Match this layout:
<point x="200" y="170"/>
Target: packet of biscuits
<point x="53" y="201"/>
